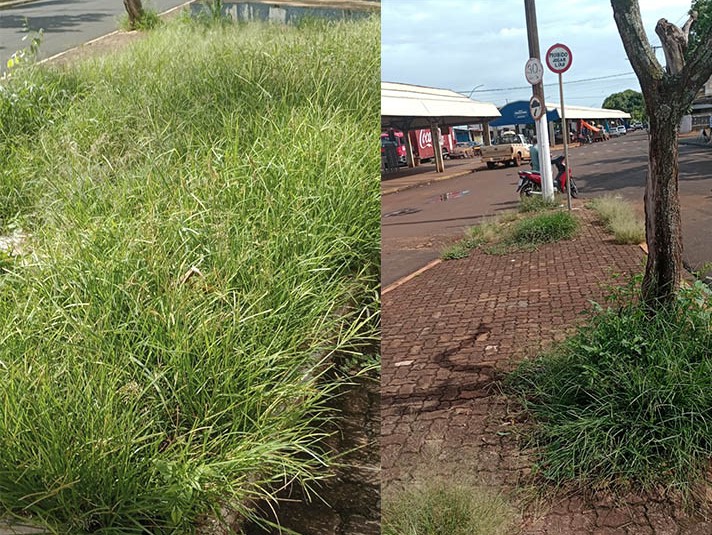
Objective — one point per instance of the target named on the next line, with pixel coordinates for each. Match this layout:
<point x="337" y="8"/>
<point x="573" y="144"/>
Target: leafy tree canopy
<point x="629" y="101"/>
<point x="702" y="26"/>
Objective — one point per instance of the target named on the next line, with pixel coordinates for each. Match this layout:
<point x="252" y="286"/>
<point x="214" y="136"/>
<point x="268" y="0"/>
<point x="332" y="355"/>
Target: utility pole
<point x="542" y="130"/>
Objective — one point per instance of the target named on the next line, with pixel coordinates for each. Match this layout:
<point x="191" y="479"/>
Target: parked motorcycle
<point x="530" y="181"/>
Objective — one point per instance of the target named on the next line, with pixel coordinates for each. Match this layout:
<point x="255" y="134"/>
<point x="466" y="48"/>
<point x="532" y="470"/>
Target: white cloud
<point x="458" y="44"/>
<point x="513" y="32"/>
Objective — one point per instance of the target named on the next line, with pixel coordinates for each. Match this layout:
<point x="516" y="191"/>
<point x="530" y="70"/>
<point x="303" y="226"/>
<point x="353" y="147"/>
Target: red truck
<point x="422" y="143"/>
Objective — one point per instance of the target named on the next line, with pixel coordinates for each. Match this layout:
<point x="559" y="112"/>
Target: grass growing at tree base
<point x="203" y="211"/>
<point x="627" y="401"/>
<point x="149" y="21"/>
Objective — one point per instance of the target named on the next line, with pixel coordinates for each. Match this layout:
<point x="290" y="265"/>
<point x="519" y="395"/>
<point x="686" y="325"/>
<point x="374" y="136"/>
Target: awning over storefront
<point x="518" y="113"/>
<point x="409" y="107"/>
<point x="589" y="126"/>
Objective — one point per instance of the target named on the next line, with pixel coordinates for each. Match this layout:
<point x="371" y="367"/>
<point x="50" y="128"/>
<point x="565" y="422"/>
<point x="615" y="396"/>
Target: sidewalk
<point x="449" y="335"/>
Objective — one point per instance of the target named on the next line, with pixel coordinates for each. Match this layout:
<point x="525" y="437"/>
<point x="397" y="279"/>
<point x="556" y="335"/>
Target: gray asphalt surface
<point x="66" y="23"/>
<point x="416" y="224"/>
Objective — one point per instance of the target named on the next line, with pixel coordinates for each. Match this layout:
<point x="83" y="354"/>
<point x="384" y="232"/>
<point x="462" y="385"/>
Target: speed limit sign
<point x="534" y="71"/>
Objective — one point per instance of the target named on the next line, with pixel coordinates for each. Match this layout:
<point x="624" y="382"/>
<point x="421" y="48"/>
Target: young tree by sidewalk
<point x="134" y="8"/>
<point x="668" y="93"/>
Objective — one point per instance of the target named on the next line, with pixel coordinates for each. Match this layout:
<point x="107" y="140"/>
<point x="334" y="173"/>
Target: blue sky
<point x="463" y="44"/>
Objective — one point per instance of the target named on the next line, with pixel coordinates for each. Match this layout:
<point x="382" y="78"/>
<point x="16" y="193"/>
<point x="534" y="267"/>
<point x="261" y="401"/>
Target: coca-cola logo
<point x="425" y="139"/>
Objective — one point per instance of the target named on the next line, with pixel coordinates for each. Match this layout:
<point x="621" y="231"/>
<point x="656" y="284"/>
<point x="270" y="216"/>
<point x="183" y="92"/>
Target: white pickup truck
<point x="508" y="148"/>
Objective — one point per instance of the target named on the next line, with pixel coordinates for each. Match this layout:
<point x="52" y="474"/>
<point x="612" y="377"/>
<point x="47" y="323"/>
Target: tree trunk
<point x="663" y="229"/>
<point x="668" y="92"/>
<point x="135" y="12"/>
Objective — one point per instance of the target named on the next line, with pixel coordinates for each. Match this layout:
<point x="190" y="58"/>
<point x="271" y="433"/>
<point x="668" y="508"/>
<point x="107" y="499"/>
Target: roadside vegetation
<point x="202" y="211"/>
<point x="148" y="20"/>
<point x="625" y="403"/>
<point x="620" y="219"/>
<point x="537" y="223"/>
<point x="439" y="507"/>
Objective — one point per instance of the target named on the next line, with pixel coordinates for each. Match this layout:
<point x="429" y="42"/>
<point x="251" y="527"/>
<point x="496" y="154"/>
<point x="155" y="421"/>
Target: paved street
<point x="66" y="23"/>
<point x="416" y="223"/>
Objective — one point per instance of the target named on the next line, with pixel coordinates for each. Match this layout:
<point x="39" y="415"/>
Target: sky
<point x="482" y="45"/>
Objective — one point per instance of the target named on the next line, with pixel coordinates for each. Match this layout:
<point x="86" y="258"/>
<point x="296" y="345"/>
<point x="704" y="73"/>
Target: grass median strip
<point x="535" y="225"/>
<point x="204" y="236"/>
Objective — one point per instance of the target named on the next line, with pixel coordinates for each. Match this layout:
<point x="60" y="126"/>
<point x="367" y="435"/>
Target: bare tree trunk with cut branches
<point x="134" y="8"/>
<point x="668" y="93"/>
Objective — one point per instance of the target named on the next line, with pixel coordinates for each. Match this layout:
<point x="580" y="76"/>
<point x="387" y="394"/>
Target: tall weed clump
<point x="31" y="101"/>
<point x="620" y="219"/>
<point x="440" y="507"/>
<point x="627" y="401"/>
<point x="205" y="239"/>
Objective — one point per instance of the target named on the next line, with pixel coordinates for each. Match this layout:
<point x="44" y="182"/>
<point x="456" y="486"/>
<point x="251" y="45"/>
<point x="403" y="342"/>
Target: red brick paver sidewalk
<point x="448" y="337"/>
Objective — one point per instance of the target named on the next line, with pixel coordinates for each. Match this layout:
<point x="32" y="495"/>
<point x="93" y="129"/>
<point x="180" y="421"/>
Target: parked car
<point x="462" y="150"/>
<point x="636" y="126"/>
<point x="621" y="130"/>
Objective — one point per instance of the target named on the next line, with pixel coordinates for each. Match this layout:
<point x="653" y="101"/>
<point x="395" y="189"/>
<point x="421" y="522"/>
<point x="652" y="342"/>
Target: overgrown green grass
<point x="627" y="401"/>
<point x="446" y="508"/>
<point x="149" y="21"/>
<point x="620" y="219"/>
<point x="537" y="203"/>
<point x="205" y="239"/>
<point x="515" y="232"/>
<point x="543" y="228"/>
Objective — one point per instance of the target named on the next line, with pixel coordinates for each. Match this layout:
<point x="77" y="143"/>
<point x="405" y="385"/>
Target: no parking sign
<point x="558" y="58"/>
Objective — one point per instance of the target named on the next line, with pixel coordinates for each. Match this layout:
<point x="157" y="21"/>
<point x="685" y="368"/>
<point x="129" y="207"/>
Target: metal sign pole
<point x="565" y="134"/>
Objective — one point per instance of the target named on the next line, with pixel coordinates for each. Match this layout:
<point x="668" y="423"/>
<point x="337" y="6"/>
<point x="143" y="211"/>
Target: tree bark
<point x="674" y="41"/>
<point x="663" y="227"/>
<point x="668" y="93"/>
<point x="134" y="8"/>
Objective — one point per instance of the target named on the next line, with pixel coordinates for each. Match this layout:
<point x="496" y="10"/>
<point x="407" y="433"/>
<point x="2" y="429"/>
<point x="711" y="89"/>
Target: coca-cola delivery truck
<point x="422" y="143"/>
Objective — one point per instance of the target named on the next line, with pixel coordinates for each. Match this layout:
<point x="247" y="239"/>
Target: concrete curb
<point x="398" y="189"/>
<point x="13" y="3"/>
<point x="694" y="141"/>
<point x="101" y="37"/>
<point x="403" y="280"/>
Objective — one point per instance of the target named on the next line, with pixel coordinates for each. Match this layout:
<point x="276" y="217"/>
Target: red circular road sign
<point x="558" y="58"/>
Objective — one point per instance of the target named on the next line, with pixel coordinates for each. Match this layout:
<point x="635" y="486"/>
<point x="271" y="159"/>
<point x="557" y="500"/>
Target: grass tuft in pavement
<point x="542" y="228"/>
<point x="620" y="219"/>
<point x="515" y="232"/>
<point x="536" y="203"/>
<point x="438" y="507"/>
<point x="627" y="401"/>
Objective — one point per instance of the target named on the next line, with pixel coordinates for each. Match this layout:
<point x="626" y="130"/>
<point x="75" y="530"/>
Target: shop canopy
<point x="410" y="107"/>
<point x="518" y="113"/>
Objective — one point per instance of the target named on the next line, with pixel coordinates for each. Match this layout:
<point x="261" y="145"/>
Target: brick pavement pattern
<point x="450" y="335"/>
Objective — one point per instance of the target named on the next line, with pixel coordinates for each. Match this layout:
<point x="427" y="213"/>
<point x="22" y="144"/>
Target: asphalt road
<point x="66" y="23"/>
<point x="417" y="223"/>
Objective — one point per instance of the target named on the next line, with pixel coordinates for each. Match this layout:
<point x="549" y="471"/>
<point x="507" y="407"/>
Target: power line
<point x="552" y="84"/>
